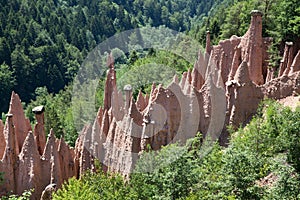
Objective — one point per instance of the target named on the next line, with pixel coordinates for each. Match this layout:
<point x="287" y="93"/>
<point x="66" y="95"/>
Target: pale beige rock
<point x="291" y="101"/>
<point x="282" y="87"/>
<point x="51" y="163"/>
<point x="29" y="170"/>
<point x="66" y="160"/>
<point x="183" y="80"/>
<point x="242" y="75"/>
<point x="237" y="59"/>
<point x="246" y="97"/>
<point x="9" y="160"/>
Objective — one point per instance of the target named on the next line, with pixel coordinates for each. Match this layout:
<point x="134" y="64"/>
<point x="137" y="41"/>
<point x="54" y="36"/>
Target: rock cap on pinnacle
<point x="38" y="110"/>
<point x="256" y="13"/>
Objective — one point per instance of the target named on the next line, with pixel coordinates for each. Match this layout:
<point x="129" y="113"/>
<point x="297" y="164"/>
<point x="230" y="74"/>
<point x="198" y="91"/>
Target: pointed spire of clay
<point x="100" y="115"/>
<point x="155" y="93"/>
<point x="10" y="138"/>
<point x="118" y="106"/>
<point x="10" y="155"/>
<point x="242" y="74"/>
<point x="147" y="98"/>
<point x="52" y="163"/>
<point x="29" y="169"/>
<point x="128" y="95"/>
<point x="84" y="149"/>
<point x="253" y="48"/>
<point x="39" y="130"/>
<point x="50" y="144"/>
<point x="187" y="86"/>
<point x="289" y="58"/>
<point x="29" y="147"/>
<point x="140" y="103"/>
<point x="189" y="77"/>
<point x="208" y="44"/>
<point x="235" y="63"/>
<point x="197" y="78"/>
<point x="270" y="74"/>
<point x="105" y="123"/>
<point x="97" y="140"/>
<point x="296" y="63"/>
<point x="21" y="124"/>
<point x="110" y="84"/>
<point x="153" y="88"/>
<point x="220" y="83"/>
<point x="175" y="79"/>
<point x="135" y="114"/>
<point x="183" y="80"/>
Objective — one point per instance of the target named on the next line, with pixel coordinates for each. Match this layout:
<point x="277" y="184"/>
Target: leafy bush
<point x="169" y="174"/>
<point x="25" y="196"/>
<point x="96" y="186"/>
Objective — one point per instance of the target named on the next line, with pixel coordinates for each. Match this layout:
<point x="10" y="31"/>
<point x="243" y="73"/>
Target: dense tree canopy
<point x="232" y="17"/>
<point x="43" y="43"/>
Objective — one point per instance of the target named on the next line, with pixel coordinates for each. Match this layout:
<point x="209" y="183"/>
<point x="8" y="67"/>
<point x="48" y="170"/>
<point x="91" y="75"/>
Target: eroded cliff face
<point x="27" y="160"/>
<point x="224" y="88"/>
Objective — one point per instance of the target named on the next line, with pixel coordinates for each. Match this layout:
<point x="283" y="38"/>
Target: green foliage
<point x="7" y="83"/>
<point x="232" y="17"/>
<point x="96" y="186"/>
<point x="58" y="113"/>
<point x="287" y="180"/>
<point x="156" y="67"/>
<point x="253" y="151"/>
<point x="168" y="175"/>
<point x="75" y="189"/>
<point x="25" y="196"/>
<point x="44" y="42"/>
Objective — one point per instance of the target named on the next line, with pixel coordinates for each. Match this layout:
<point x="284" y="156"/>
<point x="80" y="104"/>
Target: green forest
<point x="43" y="44"/>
